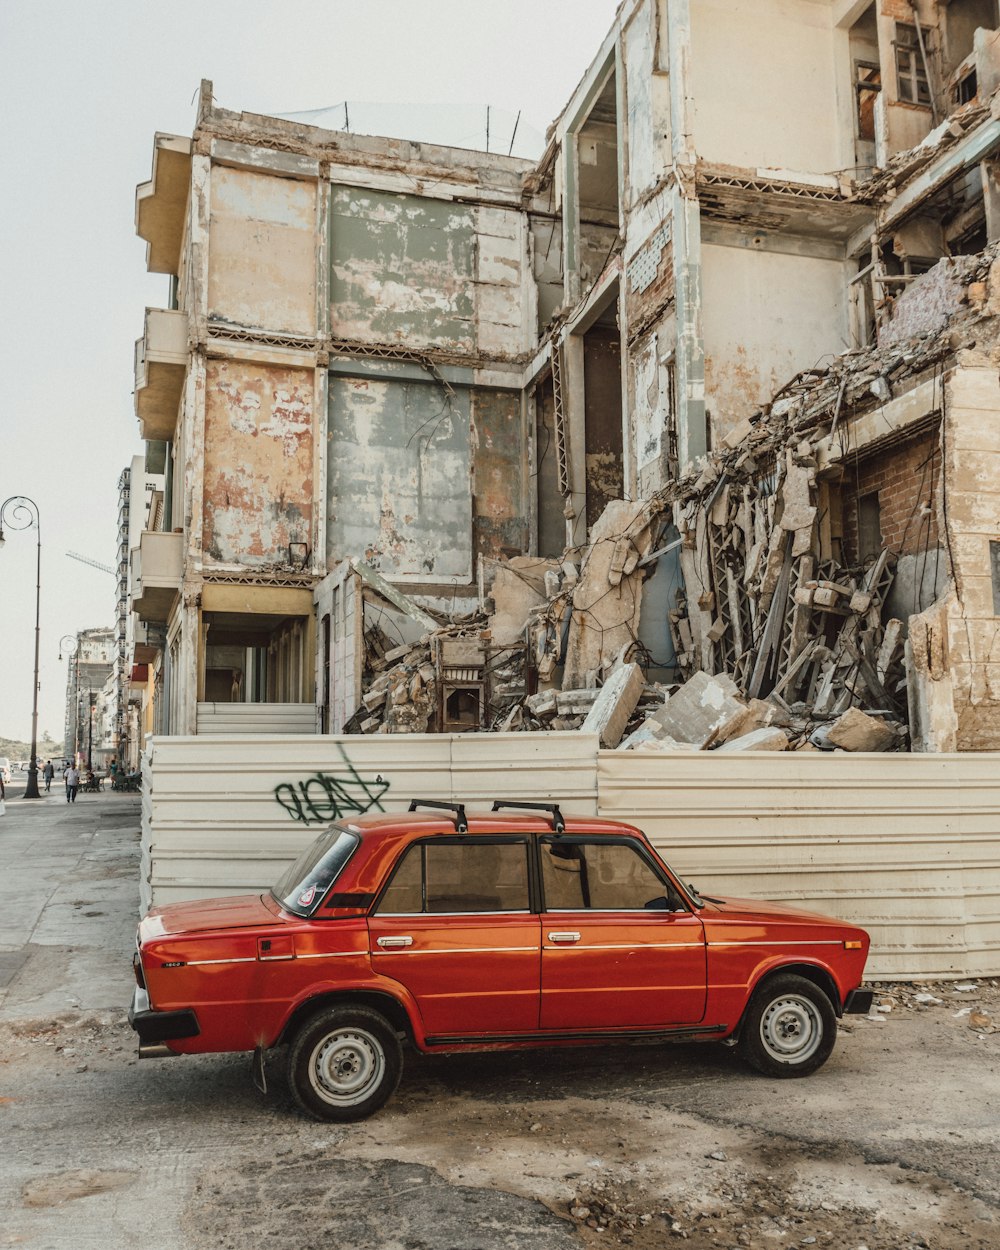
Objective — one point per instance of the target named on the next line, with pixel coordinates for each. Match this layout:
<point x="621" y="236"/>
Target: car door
<point x="620" y="947"/>
<point x="455" y="927"/>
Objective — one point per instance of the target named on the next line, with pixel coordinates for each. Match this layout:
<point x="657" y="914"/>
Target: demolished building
<point x="457" y="441"/>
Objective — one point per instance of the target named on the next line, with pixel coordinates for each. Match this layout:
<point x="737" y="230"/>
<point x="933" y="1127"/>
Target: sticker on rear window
<point x="307" y="896"/>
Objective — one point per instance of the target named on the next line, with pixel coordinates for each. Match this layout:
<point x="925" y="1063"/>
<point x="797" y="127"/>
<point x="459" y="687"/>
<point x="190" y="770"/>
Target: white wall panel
<point x="906" y="845"/>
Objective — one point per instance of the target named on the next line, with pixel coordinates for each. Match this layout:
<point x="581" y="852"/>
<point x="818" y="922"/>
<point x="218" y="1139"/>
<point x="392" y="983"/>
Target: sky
<point x="83" y="88"/>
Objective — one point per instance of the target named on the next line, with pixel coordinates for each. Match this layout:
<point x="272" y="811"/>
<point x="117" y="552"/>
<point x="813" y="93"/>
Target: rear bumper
<point x="859" y="1002"/>
<point x="157" y="1027"/>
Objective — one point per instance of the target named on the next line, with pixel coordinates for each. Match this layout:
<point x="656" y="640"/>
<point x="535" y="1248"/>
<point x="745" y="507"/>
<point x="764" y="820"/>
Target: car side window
<point x="602" y="876"/>
<point x="473" y="876"/>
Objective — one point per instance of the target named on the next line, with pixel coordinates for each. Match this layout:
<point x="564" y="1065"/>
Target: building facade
<point x="386" y="366"/>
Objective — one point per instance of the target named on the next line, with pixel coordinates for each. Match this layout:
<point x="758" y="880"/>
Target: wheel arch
<point x="376" y="1000"/>
<point x="821" y="977"/>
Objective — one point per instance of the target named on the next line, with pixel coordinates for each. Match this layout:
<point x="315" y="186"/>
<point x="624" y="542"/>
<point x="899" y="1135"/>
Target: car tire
<point x="789" y="1028"/>
<point x="344" y="1063"/>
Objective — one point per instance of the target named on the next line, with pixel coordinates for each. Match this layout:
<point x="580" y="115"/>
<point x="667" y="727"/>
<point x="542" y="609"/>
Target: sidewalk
<point x="69" y="900"/>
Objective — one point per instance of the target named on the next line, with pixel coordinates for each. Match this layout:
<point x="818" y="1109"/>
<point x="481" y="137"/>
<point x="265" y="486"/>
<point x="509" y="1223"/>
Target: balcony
<point x="157" y="569"/>
<point x="160" y="361"/>
<point x="161" y="203"/>
<point x="148" y="640"/>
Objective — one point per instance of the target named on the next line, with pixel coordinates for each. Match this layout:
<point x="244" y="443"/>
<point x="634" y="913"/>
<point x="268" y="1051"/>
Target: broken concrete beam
<point x="605" y="612"/>
<point x="396" y="653"/>
<point x="856" y="731"/>
<point x="758" y="714"/>
<point x="396" y="597"/>
<point x="701" y="708"/>
<point x="648" y="731"/>
<point x="615" y="703"/>
<point x="772" y="739"/>
<point x="575" y="702"/>
<point x="541" y="705"/>
<point x="738" y="433"/>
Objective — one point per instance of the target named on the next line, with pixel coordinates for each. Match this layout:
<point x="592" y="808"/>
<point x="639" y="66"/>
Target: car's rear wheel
<point x="789" y="1028"/>
<point x="344" y="1063"/>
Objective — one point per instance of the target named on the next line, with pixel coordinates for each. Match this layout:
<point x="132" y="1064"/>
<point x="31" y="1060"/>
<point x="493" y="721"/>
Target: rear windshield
<point x="305" y="884"/>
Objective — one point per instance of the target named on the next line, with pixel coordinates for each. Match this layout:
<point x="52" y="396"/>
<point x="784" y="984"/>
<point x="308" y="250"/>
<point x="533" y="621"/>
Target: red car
<point x="454" y="933"/>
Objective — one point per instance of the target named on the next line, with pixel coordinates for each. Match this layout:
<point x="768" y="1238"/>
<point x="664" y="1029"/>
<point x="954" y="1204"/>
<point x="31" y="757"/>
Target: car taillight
<point x="140" y="980"/>
<point x="853" y="946"/>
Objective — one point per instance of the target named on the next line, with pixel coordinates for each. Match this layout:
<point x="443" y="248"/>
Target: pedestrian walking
<point x="72" y="783"/>
<point x="48" y="772"/>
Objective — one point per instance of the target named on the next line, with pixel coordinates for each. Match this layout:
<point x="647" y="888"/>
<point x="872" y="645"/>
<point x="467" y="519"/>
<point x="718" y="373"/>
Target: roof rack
<point x="461" y="824"/>
<point x="558" y="824"/>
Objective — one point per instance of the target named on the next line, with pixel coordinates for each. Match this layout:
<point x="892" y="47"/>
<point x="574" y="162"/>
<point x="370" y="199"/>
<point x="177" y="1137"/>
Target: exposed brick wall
<point x="905" y="478"/>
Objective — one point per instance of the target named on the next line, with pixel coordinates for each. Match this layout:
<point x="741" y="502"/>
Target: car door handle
<point x="394" y="941"/>
<point x="564" y="937"/>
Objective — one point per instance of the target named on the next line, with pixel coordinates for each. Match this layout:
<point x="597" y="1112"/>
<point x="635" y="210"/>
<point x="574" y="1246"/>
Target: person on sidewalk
<point x="48" y="772"/>
<point x="72" y="783"/>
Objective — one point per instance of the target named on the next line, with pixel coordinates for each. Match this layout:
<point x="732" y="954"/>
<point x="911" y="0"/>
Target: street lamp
<point x="20" y="513"/>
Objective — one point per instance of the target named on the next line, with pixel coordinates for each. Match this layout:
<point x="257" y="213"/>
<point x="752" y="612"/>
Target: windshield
<point x="304" y="885"/>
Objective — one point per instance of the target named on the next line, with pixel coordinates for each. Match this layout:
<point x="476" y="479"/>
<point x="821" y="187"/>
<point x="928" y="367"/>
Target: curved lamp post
<point x="21" y="513"/>
<point x="70" y="643"/>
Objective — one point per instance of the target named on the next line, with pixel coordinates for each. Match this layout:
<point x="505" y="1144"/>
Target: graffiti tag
<point x="330" y="796"/>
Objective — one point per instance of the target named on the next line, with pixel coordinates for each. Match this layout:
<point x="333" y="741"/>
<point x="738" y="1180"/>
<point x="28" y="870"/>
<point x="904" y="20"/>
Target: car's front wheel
<point x="344" y="1063"/>
<point x="789" y="1028"/>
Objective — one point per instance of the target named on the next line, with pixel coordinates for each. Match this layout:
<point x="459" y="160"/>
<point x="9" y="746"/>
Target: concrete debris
<point x="701" y="709"/>
<point x="773" y="739"/>
<point x="854" y="731"/>
<point x="615" y="704"/>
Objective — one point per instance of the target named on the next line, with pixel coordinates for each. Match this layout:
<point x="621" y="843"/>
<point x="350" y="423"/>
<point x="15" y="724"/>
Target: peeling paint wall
<point x="398" y="482"/>
<point x="971" y="519"/>
<point x="504" y="310"/>
<point x="766" y="315"/>
<point x="649" y="280"/>
<point x="262" y="241"/>
<point x="764" y="73"/>
<point x="647" y="93"/>
<point x="499" y="510"/>
<point x="258" y="462"/>
<point x="650" y="401"/>
<point x="402" y="269"/>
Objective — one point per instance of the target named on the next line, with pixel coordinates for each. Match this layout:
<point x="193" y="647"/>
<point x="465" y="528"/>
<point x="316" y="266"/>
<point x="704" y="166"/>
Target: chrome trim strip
<point x="194" y="963"/>
<point x="629" y="946"/>
<point x="433" y="915"/>
<point x="779" y="941"/>
<point x="333" y="954"/>
<point x="456" y="950"/>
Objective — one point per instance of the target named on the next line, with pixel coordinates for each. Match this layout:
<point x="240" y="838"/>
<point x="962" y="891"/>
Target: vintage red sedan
<point x="453" y="932"/>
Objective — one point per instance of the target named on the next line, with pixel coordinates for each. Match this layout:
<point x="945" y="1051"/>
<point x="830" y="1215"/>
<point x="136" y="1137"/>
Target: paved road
<point x="893" y="1144"/>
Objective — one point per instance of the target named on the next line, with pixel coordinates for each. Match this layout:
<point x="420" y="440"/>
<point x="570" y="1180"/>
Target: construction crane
<point x="105" y="568"/>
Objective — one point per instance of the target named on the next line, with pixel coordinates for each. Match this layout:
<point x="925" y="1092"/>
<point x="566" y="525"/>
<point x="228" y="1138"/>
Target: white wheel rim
<point x="346" y="1067"/>
<point x="791" y="1029"/>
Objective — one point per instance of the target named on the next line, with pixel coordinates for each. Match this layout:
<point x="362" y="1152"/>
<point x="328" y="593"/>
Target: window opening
<point x="912" y="86"/>
<point x="867" y="85"/>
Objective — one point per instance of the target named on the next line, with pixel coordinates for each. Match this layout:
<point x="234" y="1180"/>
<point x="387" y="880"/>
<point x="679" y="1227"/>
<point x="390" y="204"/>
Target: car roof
<point x="429" y="823"/>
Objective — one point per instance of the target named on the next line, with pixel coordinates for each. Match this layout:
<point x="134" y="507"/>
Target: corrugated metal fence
<point x="907" y="845"/>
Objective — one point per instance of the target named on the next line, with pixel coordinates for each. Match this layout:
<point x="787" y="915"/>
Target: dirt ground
<point x="893" y="1144"/>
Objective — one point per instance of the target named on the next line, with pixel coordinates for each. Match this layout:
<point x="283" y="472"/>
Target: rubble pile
<point x="779" y="642"/>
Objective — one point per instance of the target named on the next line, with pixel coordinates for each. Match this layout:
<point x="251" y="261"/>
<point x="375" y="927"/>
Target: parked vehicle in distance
<point x="453" y="933"/>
